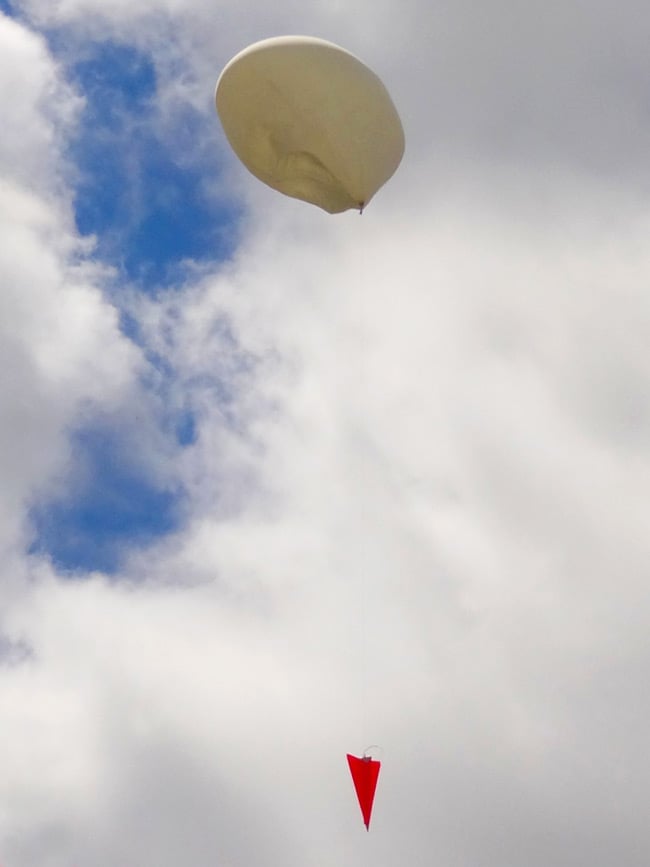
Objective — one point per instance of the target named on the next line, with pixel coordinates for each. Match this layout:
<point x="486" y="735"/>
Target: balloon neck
<point x="361" y="207"/>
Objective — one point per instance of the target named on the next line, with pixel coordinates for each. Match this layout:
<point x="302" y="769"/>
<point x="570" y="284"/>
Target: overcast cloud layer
<point x="415" y="511"/>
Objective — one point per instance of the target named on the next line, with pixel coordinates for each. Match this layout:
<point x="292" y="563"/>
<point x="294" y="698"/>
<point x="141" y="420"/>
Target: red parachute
<point x="365" y="772"/>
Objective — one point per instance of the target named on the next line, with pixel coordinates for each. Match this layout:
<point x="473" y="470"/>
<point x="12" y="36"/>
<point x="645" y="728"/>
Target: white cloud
<point x="439" y="528"/>
<point x="36" y="104"/>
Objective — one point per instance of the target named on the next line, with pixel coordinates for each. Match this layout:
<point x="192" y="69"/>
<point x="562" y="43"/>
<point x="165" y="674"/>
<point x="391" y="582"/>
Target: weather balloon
<point x="311" y="120"/>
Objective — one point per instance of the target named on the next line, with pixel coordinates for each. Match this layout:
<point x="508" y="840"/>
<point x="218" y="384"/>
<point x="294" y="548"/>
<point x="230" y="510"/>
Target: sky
<point x="278" y="485"/>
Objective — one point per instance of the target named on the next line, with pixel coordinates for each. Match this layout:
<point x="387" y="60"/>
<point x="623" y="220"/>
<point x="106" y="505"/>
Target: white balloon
<point x="310" y="120"/>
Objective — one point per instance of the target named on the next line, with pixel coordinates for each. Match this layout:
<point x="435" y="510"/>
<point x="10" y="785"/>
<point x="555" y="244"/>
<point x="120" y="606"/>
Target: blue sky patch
<point x="149" y="208"/>
<point x="112" y="506"/>
<point x="147" y="195"/>
<point x="186" y="429"/>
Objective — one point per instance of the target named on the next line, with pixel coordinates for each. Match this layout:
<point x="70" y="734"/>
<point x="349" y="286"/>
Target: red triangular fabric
<point x="364" y="772"/>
